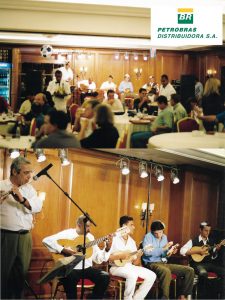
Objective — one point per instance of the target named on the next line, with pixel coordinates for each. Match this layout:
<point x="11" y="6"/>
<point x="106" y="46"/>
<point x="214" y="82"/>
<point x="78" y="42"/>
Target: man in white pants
<point x="121" y="246"/>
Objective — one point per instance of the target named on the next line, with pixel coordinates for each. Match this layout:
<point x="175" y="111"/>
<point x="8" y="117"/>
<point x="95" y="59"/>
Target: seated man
<point x="156" y="260"/>
<point x="151" y="84"/>
<point x="115" y="104"/>
<point x="84" y="113"/>
<point x="179" y="112"/>
<point x="121" y="248"/>
<point x="55" y="128"/>
<point x="88" y="89"/>
<point x="126" y="88"/>
<point x="99" y="277"/>
<point x="108" y="85"/>
<point x="25" y="107"/>
<point x="207" y="263"/>
<point x="141" y="103"/>
<point x="163" y="123"/>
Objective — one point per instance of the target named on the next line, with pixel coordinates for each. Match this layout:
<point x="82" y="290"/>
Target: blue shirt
<point x="221" y="118"/>
<point x="157" y="253"/>
<point x="126" y="85"/>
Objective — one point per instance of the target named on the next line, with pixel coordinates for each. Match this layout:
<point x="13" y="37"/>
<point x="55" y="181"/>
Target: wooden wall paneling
<point x="200" y="203"/>
<point x="172" y="65"/>
<point x="141" y="64"/>
<point x="176" y="214"/>
<point x="2" y="163"/>
<point x="213" y="63"/>
<point x="16" y="65"/>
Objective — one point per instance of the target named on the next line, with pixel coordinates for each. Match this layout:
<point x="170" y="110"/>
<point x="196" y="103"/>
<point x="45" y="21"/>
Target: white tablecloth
<point x="122" y="121"/>
<point x="187" y="140"/>
<point x="6" y="124"/>
<point x="24" y="142"/>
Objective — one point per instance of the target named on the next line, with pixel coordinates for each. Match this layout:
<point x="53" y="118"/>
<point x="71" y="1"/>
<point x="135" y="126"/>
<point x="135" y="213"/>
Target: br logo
<point x="185" y="16"/>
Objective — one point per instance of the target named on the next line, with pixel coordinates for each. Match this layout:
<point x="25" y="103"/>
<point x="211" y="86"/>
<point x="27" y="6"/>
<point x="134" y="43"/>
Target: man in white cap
<point x="126" y="87"/>
<point x="151" y="84"/>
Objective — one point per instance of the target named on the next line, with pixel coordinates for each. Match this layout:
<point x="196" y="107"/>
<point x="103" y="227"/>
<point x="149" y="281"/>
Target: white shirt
<point x="62" y="87"/>
<point x="108" y="86"/>
<point x="119" y="244"/>
<point x="98" y="255"/>
<point x="14" y="215"/>
<point x="67" y="74"/>
<point x="189" y="245"/>
<point x="25" y="107"/>
<point x="117" y="105"/>
<point x="167" y="91"/>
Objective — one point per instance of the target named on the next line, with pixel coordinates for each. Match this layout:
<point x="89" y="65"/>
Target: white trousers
<point x="131" y="273"/>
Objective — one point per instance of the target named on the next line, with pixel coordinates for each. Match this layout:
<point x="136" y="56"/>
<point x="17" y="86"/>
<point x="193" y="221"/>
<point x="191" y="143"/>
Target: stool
<point x="174" y="281"/>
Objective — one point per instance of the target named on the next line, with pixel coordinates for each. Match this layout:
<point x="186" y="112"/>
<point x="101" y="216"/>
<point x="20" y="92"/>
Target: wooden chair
<point x="73" y="108"/>
<point x="88" y="285"/>
<point x="122" y="140"/>
<point x="33" y="126"/>
<point x="211" y="277"/>
<point x="187" y="125"/>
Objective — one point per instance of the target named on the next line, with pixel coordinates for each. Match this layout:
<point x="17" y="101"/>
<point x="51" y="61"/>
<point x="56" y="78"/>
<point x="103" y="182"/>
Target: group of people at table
<point x="94" y="125"/>
<point x="20" y="200"/>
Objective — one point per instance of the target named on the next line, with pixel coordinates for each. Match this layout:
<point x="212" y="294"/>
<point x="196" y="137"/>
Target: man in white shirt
<point x="17" y="208"/>
<point x="166" y="89"/>
<point x="120" y="250"/>
<point x="115" y="104"/>
<point x="108" y="85"/>
<point x="60" y="91"/>
<point x="67" y="72"/>
<point x="99" y="277"/>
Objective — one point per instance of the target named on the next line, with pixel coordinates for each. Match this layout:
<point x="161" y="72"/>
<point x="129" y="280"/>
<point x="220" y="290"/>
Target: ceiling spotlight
<point x="135" y="57"/>
<point x="174" y="176"/>
<point x="126" y="56"/>
<point x="117" y="56"/>
<point x="145" y="57"/>
<point x="63" y="157"/>
<point x="40" y="155"/>
<point x="14" y="153"/>
<point x="143" y="169"/>
<point x="158" y="170"/>
<point x="124" y="165"/>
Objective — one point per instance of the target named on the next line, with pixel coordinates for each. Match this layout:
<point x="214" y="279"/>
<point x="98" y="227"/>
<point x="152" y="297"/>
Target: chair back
<point x="122" y="141"/>
<point x="33" y="126"/>
<point x="187" y="125"/>
<point x="73" y="109"/>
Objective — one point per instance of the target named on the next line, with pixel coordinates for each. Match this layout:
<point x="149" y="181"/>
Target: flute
<point x="4" y="195"/>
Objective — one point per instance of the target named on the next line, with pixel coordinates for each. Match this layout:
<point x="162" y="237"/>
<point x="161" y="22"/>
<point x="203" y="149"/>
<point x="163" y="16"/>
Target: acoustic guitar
<point x="77" y="244"/>
<point x="122" y="262"/>
<point x="199" y="257"/>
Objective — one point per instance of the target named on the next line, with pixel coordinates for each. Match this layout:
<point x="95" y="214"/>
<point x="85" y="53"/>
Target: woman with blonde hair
<point x="212" y="101"/>
<point x="105" y="135"/>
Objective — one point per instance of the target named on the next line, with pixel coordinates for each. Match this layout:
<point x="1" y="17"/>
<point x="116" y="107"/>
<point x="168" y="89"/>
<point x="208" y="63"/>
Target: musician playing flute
<point x="99" y="277"/>
<point x="156" y="261"/>
<point x="19" y="201"/>
<point x="203" y="246"/>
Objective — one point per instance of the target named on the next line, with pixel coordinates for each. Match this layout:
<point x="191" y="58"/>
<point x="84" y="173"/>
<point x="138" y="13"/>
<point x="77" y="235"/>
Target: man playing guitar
<point x="121" y="250"/>
<point x="156" y="260"/>
<point x="202" y="259"/>
<point x="99" y="277"/>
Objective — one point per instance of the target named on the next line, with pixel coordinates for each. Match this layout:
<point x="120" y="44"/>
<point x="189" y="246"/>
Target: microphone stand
<point x="86" y="219"/>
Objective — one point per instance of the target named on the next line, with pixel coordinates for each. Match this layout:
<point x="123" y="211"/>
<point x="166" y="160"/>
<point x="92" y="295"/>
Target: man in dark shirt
<point x="141" y="103"/>
<point x="207" y="253"/>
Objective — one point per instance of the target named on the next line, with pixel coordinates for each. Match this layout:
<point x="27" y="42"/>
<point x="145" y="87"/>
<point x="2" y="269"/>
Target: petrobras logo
<point x="185" y="16"/>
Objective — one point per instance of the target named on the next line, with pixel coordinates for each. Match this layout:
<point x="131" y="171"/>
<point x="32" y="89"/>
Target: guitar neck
<point x="97" y="241"/>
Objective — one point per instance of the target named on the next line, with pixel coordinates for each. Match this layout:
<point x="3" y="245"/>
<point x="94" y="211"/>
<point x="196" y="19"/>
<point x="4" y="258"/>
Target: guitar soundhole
<point x="79" y="248"/>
